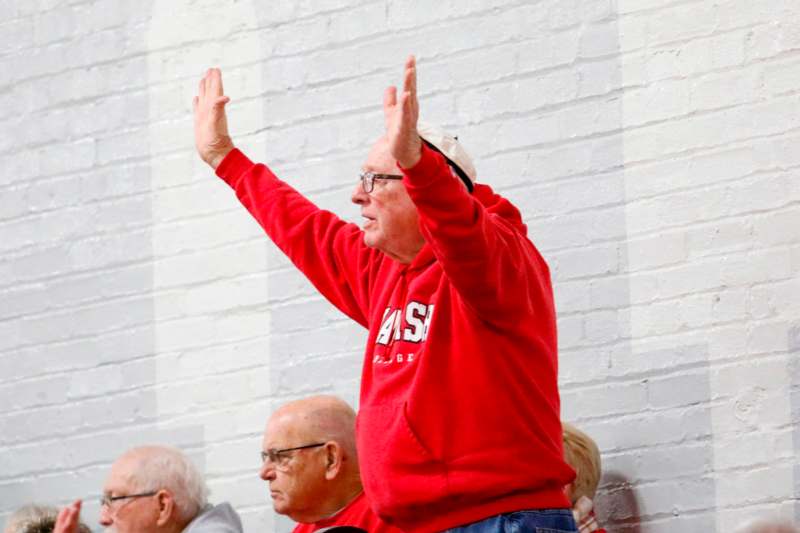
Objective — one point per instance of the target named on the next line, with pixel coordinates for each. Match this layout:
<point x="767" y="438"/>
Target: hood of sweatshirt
<point x="219" y="518"/>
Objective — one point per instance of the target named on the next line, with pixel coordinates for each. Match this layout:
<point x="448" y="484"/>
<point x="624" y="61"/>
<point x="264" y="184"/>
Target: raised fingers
<point x="408" y="115"/>
<point x="68" y="517"/>
<point x="410" y="86"/>
<point x="410" y="76"/>
<point x="215" y="82"/>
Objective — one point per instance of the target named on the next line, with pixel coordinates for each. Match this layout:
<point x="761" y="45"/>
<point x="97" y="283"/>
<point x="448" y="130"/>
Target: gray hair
<point x="165" y="467"/>
<point x="20" y="519"/>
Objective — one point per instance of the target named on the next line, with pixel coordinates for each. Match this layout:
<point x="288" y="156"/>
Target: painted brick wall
<point x="652" y="145"/>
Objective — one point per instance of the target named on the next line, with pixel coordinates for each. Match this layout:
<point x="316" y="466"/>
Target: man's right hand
<point x="210" y="123"/>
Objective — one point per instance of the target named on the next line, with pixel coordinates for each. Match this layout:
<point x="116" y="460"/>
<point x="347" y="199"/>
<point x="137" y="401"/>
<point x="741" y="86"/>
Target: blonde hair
<point x="582" y="454"/>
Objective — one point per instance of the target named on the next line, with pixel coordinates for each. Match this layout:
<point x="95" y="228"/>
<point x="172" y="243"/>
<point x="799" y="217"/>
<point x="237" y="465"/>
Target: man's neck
<point x="179" y="526"/>
<point x="333" y="505"/>
<point x="342" y="506"/>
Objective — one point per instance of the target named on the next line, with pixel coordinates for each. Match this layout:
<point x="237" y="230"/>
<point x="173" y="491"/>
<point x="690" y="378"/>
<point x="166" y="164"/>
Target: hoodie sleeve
<point x="330" y="252"/>
<point x="484" y="252"/>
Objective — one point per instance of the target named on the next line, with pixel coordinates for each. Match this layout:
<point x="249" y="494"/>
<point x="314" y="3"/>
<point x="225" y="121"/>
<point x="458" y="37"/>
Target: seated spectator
<point x="581" y="453"/>
<point x="155" y="489"/>
<point x="22" y="517"/>
<point x="37" y="519"/>
<point x="309" y="459"/>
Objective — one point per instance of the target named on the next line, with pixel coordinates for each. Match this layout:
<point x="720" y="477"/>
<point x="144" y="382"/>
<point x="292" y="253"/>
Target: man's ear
<point x="333" y="459"/>
<point x="166" y="507"/>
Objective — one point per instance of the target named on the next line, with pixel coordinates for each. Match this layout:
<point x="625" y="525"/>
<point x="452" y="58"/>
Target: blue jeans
<point x="539" y="521"/>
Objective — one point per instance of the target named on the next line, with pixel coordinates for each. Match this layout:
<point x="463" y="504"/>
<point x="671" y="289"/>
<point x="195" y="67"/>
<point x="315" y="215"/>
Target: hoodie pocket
<point x="400" y="474"/>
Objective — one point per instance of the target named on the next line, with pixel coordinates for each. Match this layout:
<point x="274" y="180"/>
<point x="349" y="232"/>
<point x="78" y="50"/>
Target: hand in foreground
<point x="401" y="117"/>
<point x="68" y="518"/>
<point x="584" y="518"/>
<point x="210" y="123"/>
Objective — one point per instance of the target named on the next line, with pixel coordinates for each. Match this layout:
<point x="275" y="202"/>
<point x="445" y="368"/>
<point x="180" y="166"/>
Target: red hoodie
<point x="459" y="406"/>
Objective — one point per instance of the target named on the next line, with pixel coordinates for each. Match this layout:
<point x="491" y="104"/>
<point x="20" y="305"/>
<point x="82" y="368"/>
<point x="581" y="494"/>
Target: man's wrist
<point x="215" y="160"/>
<point x="410" y="159"/>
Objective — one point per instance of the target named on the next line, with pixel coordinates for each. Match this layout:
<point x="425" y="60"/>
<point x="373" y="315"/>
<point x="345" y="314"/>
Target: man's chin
<point x="371" y="240"/>
<point x="279" y="506"/>
<point x="277" y="499"/>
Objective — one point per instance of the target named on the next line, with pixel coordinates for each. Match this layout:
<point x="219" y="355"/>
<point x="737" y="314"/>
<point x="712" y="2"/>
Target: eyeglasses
<point x="368" y="179"/>
<point x="108" y="501"/>
<point x="281" y="457"/>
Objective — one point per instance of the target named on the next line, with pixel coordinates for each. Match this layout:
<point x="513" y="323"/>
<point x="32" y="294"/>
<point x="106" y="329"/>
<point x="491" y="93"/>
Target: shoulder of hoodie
<point x="499" y="206"/>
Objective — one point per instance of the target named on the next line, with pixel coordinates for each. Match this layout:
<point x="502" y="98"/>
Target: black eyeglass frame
<point x="368" y="179"/>
<point x="106" y="501"/>
<point x="274" y="455"/>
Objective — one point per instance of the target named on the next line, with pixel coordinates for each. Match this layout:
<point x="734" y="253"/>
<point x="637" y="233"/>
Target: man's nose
<point x="358" y="196"/>
<point x="267" y="472"/>
<point x="105" y="516"/>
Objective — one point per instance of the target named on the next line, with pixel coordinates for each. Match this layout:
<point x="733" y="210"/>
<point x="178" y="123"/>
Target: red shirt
<point x="356" y="514"/>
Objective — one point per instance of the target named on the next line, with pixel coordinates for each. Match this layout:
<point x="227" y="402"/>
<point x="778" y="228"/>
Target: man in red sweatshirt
<point x="458" y="425"/>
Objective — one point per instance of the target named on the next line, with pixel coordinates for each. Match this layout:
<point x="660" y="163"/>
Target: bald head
<point x="310" y="458"/>
<point x="319" y="418"/>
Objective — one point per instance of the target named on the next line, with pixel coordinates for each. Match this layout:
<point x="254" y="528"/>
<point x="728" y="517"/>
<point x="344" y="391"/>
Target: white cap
<point x="451" y="149"/>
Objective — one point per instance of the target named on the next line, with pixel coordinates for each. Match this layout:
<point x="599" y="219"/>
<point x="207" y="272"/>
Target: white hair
<point x="767" y="526"/>
<point x="23" y="517"/>
<point x="165" y="467"/>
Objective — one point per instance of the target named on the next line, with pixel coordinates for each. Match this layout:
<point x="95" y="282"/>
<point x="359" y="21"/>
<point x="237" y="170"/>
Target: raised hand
<point x="210" y="123"/>
<point x="68" y="518"/>
<point x="400" y="115"/>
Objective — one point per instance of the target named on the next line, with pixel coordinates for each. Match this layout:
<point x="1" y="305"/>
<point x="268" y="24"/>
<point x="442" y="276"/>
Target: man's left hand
<point x="68" y="517"/>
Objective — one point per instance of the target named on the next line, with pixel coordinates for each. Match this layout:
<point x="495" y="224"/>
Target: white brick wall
<point x="652" y="146"/>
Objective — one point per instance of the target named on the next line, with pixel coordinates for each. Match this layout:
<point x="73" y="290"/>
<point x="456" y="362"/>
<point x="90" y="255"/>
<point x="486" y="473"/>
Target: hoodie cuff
<point x="428" y="168"/>
<point x="233" y="166"/>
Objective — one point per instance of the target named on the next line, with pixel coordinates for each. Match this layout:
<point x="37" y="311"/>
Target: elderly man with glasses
<point x="309" y="459"/>
<point x="155" y="489"/>
<point x="458" y="424"/>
